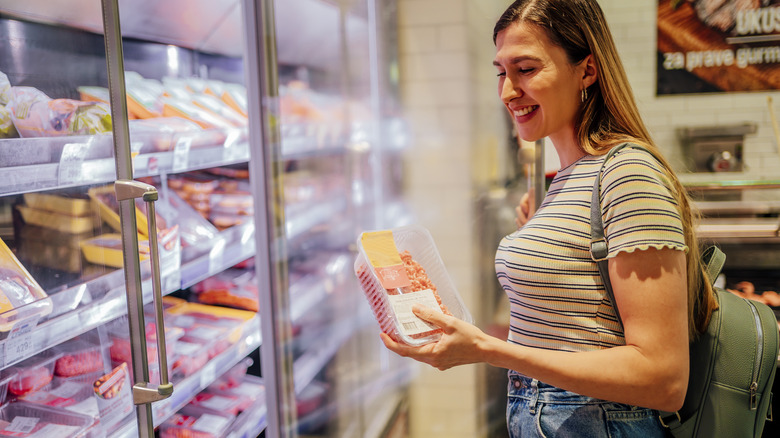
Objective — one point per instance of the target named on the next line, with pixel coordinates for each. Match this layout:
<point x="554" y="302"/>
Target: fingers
<point x="523" y="209"/>
<point x="432" y="316"/>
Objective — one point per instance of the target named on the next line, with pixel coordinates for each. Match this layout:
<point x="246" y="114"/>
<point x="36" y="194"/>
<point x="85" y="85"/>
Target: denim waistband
<point x="532" y="389"/>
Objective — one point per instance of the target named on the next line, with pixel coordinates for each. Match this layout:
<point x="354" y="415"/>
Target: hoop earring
<point x="584" y="94"/>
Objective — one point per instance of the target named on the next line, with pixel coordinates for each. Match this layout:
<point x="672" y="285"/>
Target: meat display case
<point x="317" y="158"/>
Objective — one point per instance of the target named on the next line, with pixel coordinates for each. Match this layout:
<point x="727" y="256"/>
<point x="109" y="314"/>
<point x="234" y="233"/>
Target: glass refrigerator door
<point x="76" y="210"/>
<point x="332" y="172"/>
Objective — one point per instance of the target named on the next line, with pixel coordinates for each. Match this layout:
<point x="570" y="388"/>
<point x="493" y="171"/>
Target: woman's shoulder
<point x="632" y="162"/>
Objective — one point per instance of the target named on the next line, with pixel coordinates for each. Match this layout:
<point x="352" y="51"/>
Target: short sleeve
<point x="637" y="205"/>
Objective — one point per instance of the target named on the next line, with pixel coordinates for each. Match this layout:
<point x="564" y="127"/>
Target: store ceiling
<point x="307" y="30"/>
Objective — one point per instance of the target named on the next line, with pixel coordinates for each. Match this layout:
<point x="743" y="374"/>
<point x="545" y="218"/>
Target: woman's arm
<point x="651" y="370"/>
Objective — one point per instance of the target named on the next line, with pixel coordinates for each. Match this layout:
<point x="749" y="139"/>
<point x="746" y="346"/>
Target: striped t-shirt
<point x="557" y="297"/>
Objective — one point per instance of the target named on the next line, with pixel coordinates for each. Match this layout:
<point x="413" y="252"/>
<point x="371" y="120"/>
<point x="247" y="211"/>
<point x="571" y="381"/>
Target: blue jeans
<point x="537" y="410"/>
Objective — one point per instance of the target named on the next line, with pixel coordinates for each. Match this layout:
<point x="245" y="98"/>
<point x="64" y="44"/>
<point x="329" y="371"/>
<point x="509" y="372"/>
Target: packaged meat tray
<point x="234" y="288"/>
<point x="399" y="268"/>
<point x="22" y="420"/>
<point x="57" y="221"/>
<point x="21" y="297"/>
<point x="191" y="422"/>
<point x="248" y="390"/>
<point x="71" y="206"/>
<point x="78" y="357"/>
<point x="32" y="374"/>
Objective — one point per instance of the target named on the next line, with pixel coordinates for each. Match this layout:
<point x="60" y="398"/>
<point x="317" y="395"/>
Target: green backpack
<point x="732" y="364"/>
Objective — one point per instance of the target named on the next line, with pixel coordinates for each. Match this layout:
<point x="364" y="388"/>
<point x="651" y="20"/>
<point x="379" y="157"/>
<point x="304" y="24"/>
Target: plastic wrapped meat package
<point x="192" y="422"/>
<point x="21" y="297"/>
<point x="78" y="357"/>
<point x="248" y="391"/>
<point x="120" y="348"/>
<point x="233" y="288"/>
<point x="399" y="268"/>
<point x="75" y="395"/>
<point x="22" y="419"/>
<point x="208" y="332"/>
<point x="225" y="202"/>
<point x="31" y="374"/>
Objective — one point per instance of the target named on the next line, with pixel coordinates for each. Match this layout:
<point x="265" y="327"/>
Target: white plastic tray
<point x="418" y="241"/>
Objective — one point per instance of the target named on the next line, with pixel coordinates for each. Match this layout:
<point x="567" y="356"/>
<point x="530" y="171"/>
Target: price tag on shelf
<point x="70" y="169"/>
<point x="216" y="255"/>
<point x="181" y="154"/>
<point x="208" y="374"/>
<point x="234" y="151"/>
<point x="20" y="343"/>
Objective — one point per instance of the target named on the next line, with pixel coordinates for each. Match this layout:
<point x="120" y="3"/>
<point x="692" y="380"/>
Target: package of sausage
<point x="399" y="268"/>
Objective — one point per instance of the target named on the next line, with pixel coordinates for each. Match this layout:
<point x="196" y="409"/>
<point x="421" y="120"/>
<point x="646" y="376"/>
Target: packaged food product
<point x="58" y="221"/>
<point x="94" y="94"/>
<point x="401" y="267"/>
<point x="143" y="96"/>
<point x="234" y="95"/>
<point x="232" y="377"/>
<point x="45" y="247"/>
<point x="5" y="89"/>
<point x="191" y="422"/>
<point x="158" y="134"/>
<point x="67" y="205"/>
<point x="20" y="295"/>
<point x="233" y="288"/>
<point x="220" y="108"/>
<point x="78" y="357"/>
<point x="106" y="250"/>
<point x="22" y="419"/>
<point x="5" y="379"/>
<point x="32" y="374"/>
<point x="37" y="115"/>
<point x="173" y="107"/>
<point x="63" y="395"/>
<point x="217" y="403"/>
<point x="312" y="396"/>
<point x="7" y="128"/>
<point x="248" y="390"/>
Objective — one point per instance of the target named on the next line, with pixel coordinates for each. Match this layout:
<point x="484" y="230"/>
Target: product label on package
<point x="114" y="396"/>
<point x="402" y="307"/>
<point x="51" y="430"/>
<point x="213" y="424"/>
<point x="21" y="425"/>
<point x="382" y="253"/>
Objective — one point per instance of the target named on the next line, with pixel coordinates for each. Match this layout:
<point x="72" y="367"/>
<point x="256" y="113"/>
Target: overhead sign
<point x="710" y="46"/>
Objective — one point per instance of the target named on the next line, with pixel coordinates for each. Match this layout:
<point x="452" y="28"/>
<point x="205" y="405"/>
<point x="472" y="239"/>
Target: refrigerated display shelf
<point x="62" y="162"/>
<point x="187" y="388"/>
<point x="77" y="169"/>
<point x="308" y="365"/>
<point x="363" y="396"/>
<point x="85" y="306"/>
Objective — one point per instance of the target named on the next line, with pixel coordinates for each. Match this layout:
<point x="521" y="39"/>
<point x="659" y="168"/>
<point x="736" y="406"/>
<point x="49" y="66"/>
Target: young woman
<point x="572" y="370"/>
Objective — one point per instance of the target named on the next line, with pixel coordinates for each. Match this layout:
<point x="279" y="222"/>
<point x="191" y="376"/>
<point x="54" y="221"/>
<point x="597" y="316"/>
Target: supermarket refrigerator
<point x="181" y="188"/>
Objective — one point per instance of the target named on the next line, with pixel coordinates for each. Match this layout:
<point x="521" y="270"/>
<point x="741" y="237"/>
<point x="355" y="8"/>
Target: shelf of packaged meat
<point x="185" y="389"/>
<point x="82" y="306"/>
<point x="48" y="163"/>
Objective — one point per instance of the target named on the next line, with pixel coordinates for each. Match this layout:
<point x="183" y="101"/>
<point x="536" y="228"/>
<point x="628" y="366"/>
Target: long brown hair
<point x="610" y="116"/>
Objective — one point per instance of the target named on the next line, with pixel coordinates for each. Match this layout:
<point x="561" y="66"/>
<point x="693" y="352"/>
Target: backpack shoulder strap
<point x="598" y="243"/>
<point x="713" y="259"/>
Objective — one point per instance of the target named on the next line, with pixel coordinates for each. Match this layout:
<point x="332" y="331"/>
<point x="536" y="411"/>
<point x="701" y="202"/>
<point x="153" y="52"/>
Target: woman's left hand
<point x="458" y="345"/>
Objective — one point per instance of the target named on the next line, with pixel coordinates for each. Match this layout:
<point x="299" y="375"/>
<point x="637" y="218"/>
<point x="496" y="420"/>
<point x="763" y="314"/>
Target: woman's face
<point x="538" y="84"/>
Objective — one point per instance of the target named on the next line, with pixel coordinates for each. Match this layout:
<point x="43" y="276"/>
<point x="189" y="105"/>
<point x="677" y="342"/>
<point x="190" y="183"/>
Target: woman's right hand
<point x="525" y="209"/>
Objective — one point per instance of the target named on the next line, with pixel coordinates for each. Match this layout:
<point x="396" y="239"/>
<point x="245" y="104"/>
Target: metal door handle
<point x="145" y="392"/>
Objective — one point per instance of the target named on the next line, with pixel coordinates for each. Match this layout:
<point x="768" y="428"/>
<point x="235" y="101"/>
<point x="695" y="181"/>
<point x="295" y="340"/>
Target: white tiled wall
<point x="460" y="137"/>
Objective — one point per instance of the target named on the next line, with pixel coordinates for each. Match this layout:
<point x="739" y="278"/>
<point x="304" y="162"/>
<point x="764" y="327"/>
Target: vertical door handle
<point x="145" y="392"/>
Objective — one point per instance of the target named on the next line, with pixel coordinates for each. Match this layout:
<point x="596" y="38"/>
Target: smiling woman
<point x="573" y="368"/>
